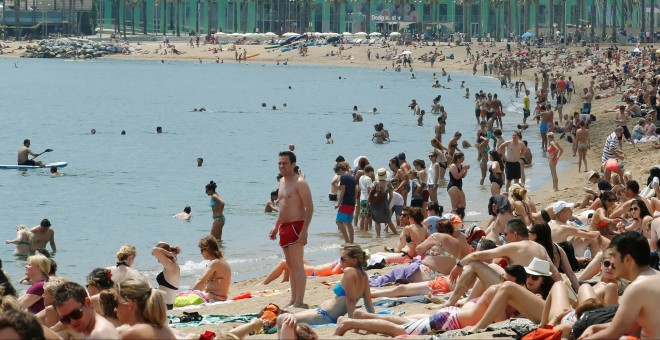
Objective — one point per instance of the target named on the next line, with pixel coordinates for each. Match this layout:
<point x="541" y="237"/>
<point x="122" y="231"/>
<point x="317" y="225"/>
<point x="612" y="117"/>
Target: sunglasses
<point x="344" y="258"/>
<point x="533" y="277"/>
<point x="608" y="264"/>
<point x="75" y="315"/>
<point x="404" y="215"/>
<point x="634" y="209"/>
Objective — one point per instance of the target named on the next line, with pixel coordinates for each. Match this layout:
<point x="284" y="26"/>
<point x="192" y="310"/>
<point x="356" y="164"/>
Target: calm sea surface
<point x="125" y="189"/>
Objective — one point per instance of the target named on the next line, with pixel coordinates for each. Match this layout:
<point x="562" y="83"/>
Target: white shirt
<point x="365" y="184"/>
<point x="397" y="199"/>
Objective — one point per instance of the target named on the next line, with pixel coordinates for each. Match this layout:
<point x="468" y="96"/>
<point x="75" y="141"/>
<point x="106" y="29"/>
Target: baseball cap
<point x="560" y="205"/>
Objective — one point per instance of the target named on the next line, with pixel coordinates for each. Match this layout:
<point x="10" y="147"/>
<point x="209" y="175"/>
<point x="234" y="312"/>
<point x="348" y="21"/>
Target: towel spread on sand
<point x="387" y="303"/>
<point x="212" y="319"/>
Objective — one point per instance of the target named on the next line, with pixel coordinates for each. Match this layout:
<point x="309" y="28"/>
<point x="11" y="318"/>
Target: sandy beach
<point x="639" y="158"/>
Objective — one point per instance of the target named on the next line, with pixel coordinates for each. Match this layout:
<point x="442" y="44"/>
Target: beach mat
<point x="211" y="319"/>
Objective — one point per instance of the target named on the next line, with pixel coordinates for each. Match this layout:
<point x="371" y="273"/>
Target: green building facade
<point x="499" y="18"/>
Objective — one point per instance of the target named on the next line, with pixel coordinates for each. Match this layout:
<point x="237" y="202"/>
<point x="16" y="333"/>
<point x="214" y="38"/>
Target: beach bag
<point x="548" y="333"/>
<point x="270" y="314"/>
<point x="376" y="196"/>
<point x="593" y="317"/>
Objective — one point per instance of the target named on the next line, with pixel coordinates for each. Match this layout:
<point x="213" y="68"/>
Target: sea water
<point x="122" y="189"/>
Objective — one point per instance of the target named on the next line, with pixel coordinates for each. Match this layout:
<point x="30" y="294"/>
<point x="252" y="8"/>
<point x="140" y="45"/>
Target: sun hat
<point x="383" y="174"/>
<point x="538" y="267"/>
<point x="561" y="205"/>
<point x="591" y="174"/>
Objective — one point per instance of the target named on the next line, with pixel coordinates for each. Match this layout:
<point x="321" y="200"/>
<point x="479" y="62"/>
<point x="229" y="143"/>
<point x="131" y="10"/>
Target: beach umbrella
<point x="528" y="35"/>
<point x="406" y="52"/>
<point x="220" y="35"/>
<point x="270" y="34"/>
<point x="375" y="34"/>
<point x="394" y="34"/>
<point x="360" y="34"/>
<point x="290" y="34"/>
<point x="524" y="52"/>
<point x="657" y="51"/>
<point x="347" y="33"/>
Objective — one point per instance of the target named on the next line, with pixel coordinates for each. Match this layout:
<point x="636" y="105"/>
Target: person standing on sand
<point x="587" y="97"/>
<point x="345" y="202"/>
<point x="42" y="235"/>
<point x="24" y="152"/>
<point x="296" y="210"/>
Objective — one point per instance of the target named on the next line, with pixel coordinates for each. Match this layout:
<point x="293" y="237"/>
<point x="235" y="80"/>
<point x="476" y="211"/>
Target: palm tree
<point x="605" y="19"/>
<point x="17" y="18"/>
<point x="178" y="17"/>
<point x="367" y="23"/>
<point x="132" y="4"/>
<point x="551" y="4"/>
<point x="164" y="23"/>
<point x="652" y="21"/>
<point x="643" y="7"/>
<point x="537" y="18"/>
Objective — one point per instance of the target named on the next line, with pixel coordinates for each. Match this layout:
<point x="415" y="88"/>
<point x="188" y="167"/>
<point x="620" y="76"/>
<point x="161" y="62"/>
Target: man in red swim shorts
<point x="296" y="209"/>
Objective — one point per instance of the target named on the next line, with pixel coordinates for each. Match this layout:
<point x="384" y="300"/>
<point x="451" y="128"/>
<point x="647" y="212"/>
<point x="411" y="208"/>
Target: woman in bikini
<point x="168" y="278"/>
<point x="554" y="152"/>
<point x="399" y="179"/>
<point x="125" y="259"/>
<point x="354" y="286"/>
<point x="441" y="158"/>
<point x="482" y="154"/>
<point x="411" y="236"/>
<point x="457" y="171"/>
<point x="601" y="220"/>
<point x="99" y="280"/>
<point x="214" y="283"/>
<point x="520" y="206"/>
<point x="496" y="170"/>
<point x="23" y="241"/>
<point x="218" y="207"/>
<point x="583" y="144"/>
<point x="325" y="269"/>
<point x="423" y="177"/>
<point x="641" y="219"/>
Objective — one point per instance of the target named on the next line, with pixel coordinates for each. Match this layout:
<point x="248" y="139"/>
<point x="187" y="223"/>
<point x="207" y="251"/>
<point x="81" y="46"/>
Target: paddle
<point x="47" y="150"/>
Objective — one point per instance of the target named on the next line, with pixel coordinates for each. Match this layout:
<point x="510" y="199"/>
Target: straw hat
<point x="538" y="267"/>
<point x="383" y="174"/>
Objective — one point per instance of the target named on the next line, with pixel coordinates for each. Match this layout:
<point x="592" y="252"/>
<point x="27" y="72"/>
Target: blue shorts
<point x="397" y="209"/>
<point x="586" y="107"/>
<point x="344" y="218"/>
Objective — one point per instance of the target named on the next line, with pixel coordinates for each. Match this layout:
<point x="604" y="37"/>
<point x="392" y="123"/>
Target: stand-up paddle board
<point x="25" y="167"/>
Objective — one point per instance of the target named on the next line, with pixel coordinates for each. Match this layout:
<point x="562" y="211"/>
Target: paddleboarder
<point x="25" y="152"/>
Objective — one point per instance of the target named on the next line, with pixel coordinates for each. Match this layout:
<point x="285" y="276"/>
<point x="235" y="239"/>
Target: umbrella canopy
<point x="406" y="52"/>
<point x="270" y="34"/>
<point x="394" y="34"/>
<point x="657" y="51"/>
<point x="375" y="34"/>
<point x="360" y="33"/>
<point x="528" y="35"/>
<point x="290" y="34"/>
<point x="220" y="35"/>
<point x="524" y="52"/>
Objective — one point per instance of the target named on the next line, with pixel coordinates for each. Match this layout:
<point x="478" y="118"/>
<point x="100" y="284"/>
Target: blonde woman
<point x="554" y="152"/>
<point x="48" y="316"/>
<point x="36" y="269"/>
<point x="214" y="283"/>
<point x="168" y="279"/>
<point x="125" y="259"/>
<point x="143" y="309"/>
<point x="23" y="241"/>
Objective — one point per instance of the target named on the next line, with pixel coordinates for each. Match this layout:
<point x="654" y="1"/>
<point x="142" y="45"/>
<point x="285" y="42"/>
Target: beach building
<point x="475" y="18"/>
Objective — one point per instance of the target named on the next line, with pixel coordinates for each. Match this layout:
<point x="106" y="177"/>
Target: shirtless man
<point x="75" y="310"/>
<point x="43" y="234"/>
<point x="545" y="117"/>
<point x="296" y="210"/>
<point x="514" y="151"/>
<point x="587" y="97"/>
<point x="637" y="314"/>
<point x="271" y="205"/>
<point x="185" y="215"/>
<point x="580" y="238"/>
<point x="496" y="104"/>
<point x="24" y="152"/>
<point x="357" y="117"/>
<point x="518" y="250"/>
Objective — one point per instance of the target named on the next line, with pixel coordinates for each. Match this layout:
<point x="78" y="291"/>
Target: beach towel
<point x="387" y="303"/>
<point x="213" y="319"/>
<point x="188" y="298"/>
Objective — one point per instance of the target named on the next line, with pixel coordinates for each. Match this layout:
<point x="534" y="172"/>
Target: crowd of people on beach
<point x="551" y="265"/>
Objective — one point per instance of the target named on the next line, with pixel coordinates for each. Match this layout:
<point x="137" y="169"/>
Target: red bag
<point x="548" y="333"/>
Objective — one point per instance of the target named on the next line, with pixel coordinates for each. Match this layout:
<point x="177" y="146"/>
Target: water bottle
<point x="587" y="253"/>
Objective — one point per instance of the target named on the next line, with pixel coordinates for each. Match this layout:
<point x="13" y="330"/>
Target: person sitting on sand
<point x="23" y="241"/>
<point x="99" y="280"/>
<point x="143" y="309"/>
<point x="326" y="269"/>
<point x="448" y="318"/>
<point x="125" y="259"/>
<point x="185" y="215"/>
<point x="214" y="283"/>
<point x="354" y="286"/>
<point x="412" y="234"/>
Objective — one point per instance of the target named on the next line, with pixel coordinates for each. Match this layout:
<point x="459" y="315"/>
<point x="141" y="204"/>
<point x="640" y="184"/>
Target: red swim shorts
<point x="439" y="285"/>
<point x="289" y="232"/>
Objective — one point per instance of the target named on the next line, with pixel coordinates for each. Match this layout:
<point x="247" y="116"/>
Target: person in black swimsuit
<point x="457" y="171"/>
<point x="168" y="279"/>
